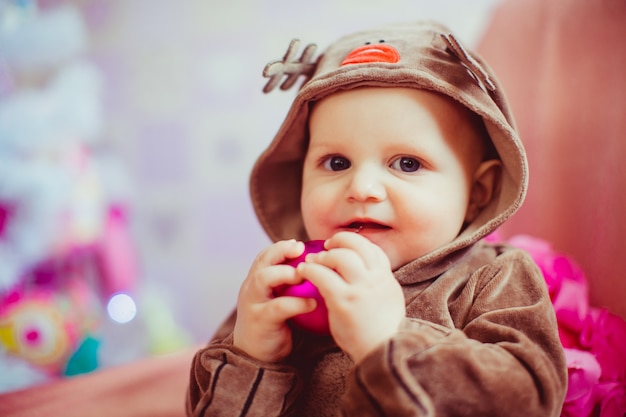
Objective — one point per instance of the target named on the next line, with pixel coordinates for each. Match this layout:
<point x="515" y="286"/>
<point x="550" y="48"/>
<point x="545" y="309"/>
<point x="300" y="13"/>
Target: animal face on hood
<point x="423" y="55"/>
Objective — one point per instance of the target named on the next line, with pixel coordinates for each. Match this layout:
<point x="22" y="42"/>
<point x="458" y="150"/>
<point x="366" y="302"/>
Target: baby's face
<point x="395" y="164"/>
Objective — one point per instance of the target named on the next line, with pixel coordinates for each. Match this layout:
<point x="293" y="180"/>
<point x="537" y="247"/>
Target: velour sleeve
<point x="224" y="381"/>
<point x="504" y="360"/>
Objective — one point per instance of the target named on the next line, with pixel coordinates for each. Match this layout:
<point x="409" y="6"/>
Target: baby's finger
<point x="327" y="281"/>
<point x="279" y="252"/>
<point x="274" y="276"/>
<point x="346" y="262"/>
<point x="283" y="308"/>
<point x="371" y="255"/>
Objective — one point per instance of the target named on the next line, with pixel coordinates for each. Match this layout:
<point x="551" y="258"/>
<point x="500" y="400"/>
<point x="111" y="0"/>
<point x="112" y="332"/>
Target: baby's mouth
<point x="358" y="226"/>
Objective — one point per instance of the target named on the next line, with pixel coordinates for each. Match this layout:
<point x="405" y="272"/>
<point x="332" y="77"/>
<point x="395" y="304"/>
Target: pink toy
<point x="317" y="320"/>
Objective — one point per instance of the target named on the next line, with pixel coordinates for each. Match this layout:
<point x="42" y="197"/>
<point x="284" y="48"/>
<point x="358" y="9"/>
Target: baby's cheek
<point x="396" y="259"/>
<point x="315" y="218"/>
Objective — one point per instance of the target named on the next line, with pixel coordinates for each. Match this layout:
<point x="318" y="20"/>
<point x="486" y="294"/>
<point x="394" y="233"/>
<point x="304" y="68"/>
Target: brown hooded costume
<point x="480" y="337"/>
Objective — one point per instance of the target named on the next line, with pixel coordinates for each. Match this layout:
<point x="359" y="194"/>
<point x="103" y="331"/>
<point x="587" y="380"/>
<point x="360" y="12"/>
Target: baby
<point x="400" y="153"/>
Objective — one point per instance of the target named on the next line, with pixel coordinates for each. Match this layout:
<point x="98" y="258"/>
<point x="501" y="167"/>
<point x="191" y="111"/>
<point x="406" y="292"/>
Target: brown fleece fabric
<point x="479" y="340"/>
<point x="480" y="337"/>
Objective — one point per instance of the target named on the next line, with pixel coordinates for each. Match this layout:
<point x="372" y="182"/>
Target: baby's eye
<point x="406" y="164"/>
<point x="336" y="163"/>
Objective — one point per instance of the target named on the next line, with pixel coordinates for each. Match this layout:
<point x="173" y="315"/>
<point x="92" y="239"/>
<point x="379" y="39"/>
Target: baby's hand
<point x="261" y="329"/>
<point x="364" y="300"/>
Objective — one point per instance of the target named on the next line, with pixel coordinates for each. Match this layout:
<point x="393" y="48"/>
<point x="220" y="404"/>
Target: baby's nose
<point x="366" y="184"/>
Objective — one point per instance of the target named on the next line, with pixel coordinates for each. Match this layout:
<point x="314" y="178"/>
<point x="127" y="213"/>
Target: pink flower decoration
<point x="594" y="339"/>
<point x="604" y="334"/>
<point x="612" y="399"/>
<point x="583" y="374"/>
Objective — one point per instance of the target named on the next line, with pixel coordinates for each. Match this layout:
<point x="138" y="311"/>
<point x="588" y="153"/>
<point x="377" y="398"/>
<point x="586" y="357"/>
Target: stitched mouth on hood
<point x="372" y="53"/>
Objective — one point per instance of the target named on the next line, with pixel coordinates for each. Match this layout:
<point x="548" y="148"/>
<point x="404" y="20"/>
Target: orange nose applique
<point x="379" y="52"/>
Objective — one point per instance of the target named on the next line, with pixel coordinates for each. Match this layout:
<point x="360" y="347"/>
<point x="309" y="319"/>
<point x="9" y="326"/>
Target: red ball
<point x="315" y="321"/>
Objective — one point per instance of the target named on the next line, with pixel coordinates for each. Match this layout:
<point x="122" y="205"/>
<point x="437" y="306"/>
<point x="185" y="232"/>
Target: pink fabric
<point x="563" y="64"/>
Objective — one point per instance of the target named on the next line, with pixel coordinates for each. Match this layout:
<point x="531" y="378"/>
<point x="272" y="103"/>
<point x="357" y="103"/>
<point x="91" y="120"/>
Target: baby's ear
<point x="485" y="185"/>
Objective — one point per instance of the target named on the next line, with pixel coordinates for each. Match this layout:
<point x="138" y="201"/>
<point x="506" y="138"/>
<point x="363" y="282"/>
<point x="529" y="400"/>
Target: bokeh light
<point x="122" y="308"/>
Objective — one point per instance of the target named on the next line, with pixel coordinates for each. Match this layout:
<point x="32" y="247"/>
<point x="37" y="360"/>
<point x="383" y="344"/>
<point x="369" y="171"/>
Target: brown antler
<point x="290" y="66"/>
<point x="470" y="63"/>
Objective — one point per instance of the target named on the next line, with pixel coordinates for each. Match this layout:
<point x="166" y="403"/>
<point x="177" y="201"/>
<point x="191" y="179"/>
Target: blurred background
<point x="127" y="133"/>
<point x="128" y="130"/>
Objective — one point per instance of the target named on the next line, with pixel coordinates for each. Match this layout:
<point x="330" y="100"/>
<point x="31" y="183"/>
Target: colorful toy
<point x="65" y="249"/>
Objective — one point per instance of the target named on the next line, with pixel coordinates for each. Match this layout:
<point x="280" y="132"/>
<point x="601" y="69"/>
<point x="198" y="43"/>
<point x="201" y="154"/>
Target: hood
<point x="422" y="55"/>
